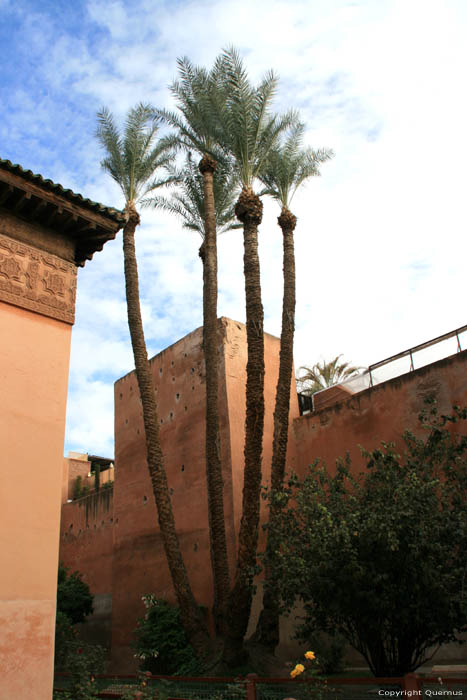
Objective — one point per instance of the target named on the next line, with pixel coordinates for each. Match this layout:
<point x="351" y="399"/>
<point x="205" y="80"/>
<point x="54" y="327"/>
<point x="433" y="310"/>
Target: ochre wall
<point x="34" y="356"/>
<point x="380" y="413"/>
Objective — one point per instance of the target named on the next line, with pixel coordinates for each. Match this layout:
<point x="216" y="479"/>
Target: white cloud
<point x="380" y="239"/>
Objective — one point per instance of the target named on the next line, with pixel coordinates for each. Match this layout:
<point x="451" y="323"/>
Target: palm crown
<point x="250" y="130"/>
<point x="134" y="155"/>
<point x="289" y="164"/>
<point x="188" y="201"/>
<point x="325" y="374"/>
<point x="198" y="96"/>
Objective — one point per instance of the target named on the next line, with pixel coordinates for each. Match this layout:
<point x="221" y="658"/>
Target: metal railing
<point x="402" y="363"/>
<point x="254" y="688"/>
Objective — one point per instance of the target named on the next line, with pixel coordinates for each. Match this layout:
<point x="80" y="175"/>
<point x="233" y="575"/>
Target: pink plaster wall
<point x="34" y="357"/>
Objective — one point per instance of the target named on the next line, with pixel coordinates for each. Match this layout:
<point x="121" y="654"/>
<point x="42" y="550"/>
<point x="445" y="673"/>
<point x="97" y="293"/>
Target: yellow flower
<point x="310" y="655"/>
<point x="293" y="673"/>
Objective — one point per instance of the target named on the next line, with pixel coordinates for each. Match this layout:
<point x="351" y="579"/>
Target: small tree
<point x="74" y="599"/>
<point x="382" y="558"/>
<point x="160" y="641"/>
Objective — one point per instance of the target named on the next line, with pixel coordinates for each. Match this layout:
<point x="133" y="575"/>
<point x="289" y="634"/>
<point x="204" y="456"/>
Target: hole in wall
<point x="162" y="420"/>
<point x="171" y="414"/>
<point x="126" y="421"/>
<point x="172" y="363"/>
<point x="121" y="395"/>
<point x="160" y="370"/>
<point x="171" y="491"/>
<point x="192" y="388"/>
<point x="71" y="526"/>
<point x="173" y="379"/>
<point x="192" y="370"/>
<point x="186" y="408"/>
<point x="183" y="467"/>
<point x="195" y="547"/>
<point x="177" y="397"/>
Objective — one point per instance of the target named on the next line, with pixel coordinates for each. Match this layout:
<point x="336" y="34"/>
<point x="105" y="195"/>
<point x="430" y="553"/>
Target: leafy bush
<point x="74" y="598"/>
<point x="329" y="648"/>
<point x="83" y="662"/>
<point x="160" y="641"/>
<point x="381" y="558"/>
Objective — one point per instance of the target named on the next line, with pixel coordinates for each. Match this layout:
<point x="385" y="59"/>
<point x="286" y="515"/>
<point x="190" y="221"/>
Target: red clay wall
<point x="139" y="564"/>
<point x="380" y="413"/>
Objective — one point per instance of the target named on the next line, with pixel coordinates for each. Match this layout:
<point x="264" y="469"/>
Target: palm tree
<point x="250" y="131"/>
<point x="132" y="158"/>
<point x="288" y="166"/>
<point x="324" y="374"/>
<point x="196" y="94"/>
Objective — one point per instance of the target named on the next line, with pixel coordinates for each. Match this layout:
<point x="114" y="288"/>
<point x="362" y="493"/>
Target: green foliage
<point x="187" y="202"/>
<point x="382" y="558"/>
<point x="250" y="129"/>
<point x="64" y="633"/>
<point x="134" y="155"/>
<point x="329" y="649"/>
<point x="288" y="165"/>
<point x="146" y="691"/>
<point x="82" y="662"/>
<point x="161" y="643"/>
<point x="78" y="488"/>
<point x="74" y="598"/>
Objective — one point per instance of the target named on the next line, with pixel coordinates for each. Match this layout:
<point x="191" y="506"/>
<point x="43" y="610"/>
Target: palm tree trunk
<point x="218" y="539"/>
<point x="190" y="613"/>
<point x="267" y="630"/>
<point x="249" y="210"/>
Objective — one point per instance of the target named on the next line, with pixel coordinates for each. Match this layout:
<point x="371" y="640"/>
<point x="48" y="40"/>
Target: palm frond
<point x="324" y="374"/>
<point x="133" y="157"/>
<point x="187" y="201"/>
<point x="288" y="164"/>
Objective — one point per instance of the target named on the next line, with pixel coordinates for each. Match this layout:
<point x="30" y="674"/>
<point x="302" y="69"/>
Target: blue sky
<point x="381" y="244"/>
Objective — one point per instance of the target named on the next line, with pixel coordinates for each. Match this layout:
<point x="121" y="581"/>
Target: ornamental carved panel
<point x="37" y="280"/>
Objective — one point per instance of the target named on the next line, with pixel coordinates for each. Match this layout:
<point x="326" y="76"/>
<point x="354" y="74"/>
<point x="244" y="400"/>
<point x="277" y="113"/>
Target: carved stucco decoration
<point x="37" y="280"/>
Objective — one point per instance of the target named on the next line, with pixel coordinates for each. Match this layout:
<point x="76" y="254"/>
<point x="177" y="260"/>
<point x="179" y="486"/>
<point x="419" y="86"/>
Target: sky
<point x="380" y="240"/>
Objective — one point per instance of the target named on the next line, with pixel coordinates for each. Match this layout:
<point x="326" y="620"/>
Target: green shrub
<point x="74" y="598"/>
<point x="329" y="649"/>
<point x="83" y="662"/>
<point x="160" y="641"/>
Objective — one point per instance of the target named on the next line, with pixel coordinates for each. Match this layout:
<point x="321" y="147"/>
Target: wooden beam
<point x="55" y="212"/>
<point x="37" y="209"/>
<point x="59" y="201"/>
<point x="24" y="198"/>
<point x="6" y="193"/>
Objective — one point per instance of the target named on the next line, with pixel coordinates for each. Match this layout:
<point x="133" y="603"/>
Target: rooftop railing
<point x="394" y="366"/>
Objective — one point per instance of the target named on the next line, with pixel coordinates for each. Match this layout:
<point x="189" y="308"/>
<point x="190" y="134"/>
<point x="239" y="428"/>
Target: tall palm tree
<point x="196" y="93"/>
<point x="132" y="158"/>
<point x="288" y="166"/>
<point x="324" y="374"/>
<point x="250" y="131"/>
